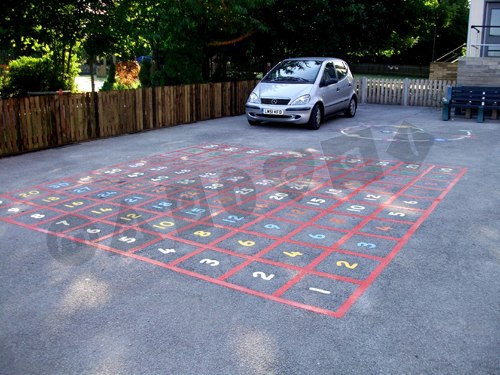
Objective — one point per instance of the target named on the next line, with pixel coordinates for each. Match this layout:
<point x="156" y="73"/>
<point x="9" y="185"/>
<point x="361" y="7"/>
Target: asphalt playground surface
<point x="370" y="246"/>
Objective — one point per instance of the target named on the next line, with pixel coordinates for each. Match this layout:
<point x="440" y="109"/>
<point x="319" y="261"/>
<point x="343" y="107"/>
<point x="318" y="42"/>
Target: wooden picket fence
<point x="39" y="122"/>
<point x="407" y="92"/>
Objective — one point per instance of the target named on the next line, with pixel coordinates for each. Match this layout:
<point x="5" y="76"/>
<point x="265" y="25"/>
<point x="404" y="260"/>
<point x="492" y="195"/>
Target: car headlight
<point x="253" y="98"/>
<point x="301" y="100"/>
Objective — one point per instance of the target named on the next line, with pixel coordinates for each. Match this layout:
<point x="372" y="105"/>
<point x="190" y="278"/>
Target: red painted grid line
<point x="294" y="232"/>
<point x="348" y="303"/>
<point x="265" y="295"/>
<point x="358" y="292"/>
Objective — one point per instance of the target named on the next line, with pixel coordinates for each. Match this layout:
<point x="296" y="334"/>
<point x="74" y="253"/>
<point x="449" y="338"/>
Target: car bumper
<point x="291" y="114"/>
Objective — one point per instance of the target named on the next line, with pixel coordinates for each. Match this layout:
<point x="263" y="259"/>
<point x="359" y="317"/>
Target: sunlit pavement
<point x="83" y="83"/>
<point x="368" y="246"/>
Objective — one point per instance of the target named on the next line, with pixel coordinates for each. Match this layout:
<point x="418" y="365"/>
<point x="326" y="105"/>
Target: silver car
<point x="303" y="91"/>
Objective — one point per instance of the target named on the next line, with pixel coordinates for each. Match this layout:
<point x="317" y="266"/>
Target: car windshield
<point x="294" y="71"/>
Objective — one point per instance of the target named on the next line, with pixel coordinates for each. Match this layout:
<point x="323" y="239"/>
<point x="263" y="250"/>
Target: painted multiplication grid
<point x="305" y="229"/>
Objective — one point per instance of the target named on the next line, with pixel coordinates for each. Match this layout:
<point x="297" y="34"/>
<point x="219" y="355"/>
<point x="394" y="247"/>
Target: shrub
<point x="122" y="80"/>
<point x="3" y="75"/>
<point x="127" y="72"/>
<point x="145" y="74"/>
<point x="110" y="80"/>
<point x="37" y="74"/>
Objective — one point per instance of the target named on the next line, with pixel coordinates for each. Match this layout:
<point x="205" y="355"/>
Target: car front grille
<point x="273" y="101"/>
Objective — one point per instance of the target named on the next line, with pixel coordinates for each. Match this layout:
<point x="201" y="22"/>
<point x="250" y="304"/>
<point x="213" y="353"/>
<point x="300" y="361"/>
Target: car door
<point x="344" y="85"/>
<point x="329" y="89"/>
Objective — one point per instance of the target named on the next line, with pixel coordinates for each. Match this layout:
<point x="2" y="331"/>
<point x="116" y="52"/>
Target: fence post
<point x="363" y="89"/>
<point x="406" y="90"/>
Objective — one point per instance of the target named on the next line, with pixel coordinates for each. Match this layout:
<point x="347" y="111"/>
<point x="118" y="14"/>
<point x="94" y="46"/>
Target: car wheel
<point x="351" y="110"/>
<point x="253" y="122"/>
<point x="315" y="118"/>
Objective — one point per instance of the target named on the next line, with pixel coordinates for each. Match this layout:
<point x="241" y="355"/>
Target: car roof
<point x="314" y="58"/>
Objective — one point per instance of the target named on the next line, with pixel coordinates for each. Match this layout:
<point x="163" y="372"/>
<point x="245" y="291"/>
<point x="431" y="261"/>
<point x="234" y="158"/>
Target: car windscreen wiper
<point x="286" y="79"/>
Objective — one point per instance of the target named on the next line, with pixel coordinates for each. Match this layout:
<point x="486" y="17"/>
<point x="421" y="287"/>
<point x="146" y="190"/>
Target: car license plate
<point x="270" y="111"/>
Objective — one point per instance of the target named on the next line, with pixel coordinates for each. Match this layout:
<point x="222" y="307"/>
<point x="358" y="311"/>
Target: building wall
<point x="478" y="71"/>
<point x="445" y="71"/>
<point x="476" y="15"/>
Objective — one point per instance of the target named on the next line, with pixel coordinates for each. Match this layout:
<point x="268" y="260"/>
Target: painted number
<point x="106" y="194"/>
<point x="400" y="214"/>
<point x="356" y="208"/>
<point x="262" y="275"/>
<point x="130" y="217"/>
<point x="410" y="202"/>
<point x="233" y="218"/>
<point x="271" y="226"/>
<point x="29" y="194"/>
<point x="51" y="199"/>
<point x="132" y="199"/>
<point x="333" y="191"/>
<point x="202" y="233"/>
<point x="74" y="204"/>
<point x="278" y="196"/>
<point x="343" y="263"/>
<point x="210" y="262"/>
<point x="81" y="190"/>
<point x="244" y="191"/>
<point x="164" y="224"/>
<point x="135" y="174"/>
<point x="102" y="210"/>
<point x="127" y="239"/>
<point x="113" y="171"/>
<point x="367" y="244"/>
<point x="159" y="178"/>
<point x="316" y="201"/>
<point x="166" y="251"/>
<point x="162" y="205"/>
<point x="246" y="243"/>
<point x="317" y="236"/>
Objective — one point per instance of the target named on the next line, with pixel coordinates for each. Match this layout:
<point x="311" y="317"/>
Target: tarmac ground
<point x="369" y="246"/>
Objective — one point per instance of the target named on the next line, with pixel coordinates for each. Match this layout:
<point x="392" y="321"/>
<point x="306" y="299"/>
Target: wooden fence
<point x="407" y="92"/>
<point x="39" y="122"/>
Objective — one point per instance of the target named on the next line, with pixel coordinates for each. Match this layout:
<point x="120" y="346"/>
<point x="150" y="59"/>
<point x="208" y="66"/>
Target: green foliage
<point x="111" y="79"/>
<point x="205" y="40"/>
<point x="120" y="86"/>
<point x="111" y="82"/>
<point x="37" y="74"/>
<point x="146" y="72"/>
<point x="3" y="75"/>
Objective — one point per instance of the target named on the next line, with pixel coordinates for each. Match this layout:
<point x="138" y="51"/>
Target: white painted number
<point x="262" y="275"/>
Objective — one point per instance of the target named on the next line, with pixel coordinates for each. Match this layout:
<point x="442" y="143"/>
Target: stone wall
<point x="445" y="71"/>
<point x="478" y="71"/>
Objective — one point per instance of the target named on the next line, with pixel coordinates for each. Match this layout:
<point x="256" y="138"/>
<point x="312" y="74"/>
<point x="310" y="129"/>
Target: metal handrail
<point x="449" y="53"/>
<point x="475" y="27"/>
<point x="478" y="31"/>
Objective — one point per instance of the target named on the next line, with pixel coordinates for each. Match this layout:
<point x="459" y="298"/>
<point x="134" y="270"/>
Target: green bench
<point x="471" y="98"/>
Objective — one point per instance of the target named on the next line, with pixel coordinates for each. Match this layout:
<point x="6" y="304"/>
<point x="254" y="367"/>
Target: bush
<point x="113" y="84"/>
<point x="37" y="74"/>
<point x="3" y="75"/>
<point x="110" y="80"/>
<point x="145" y="74"/>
